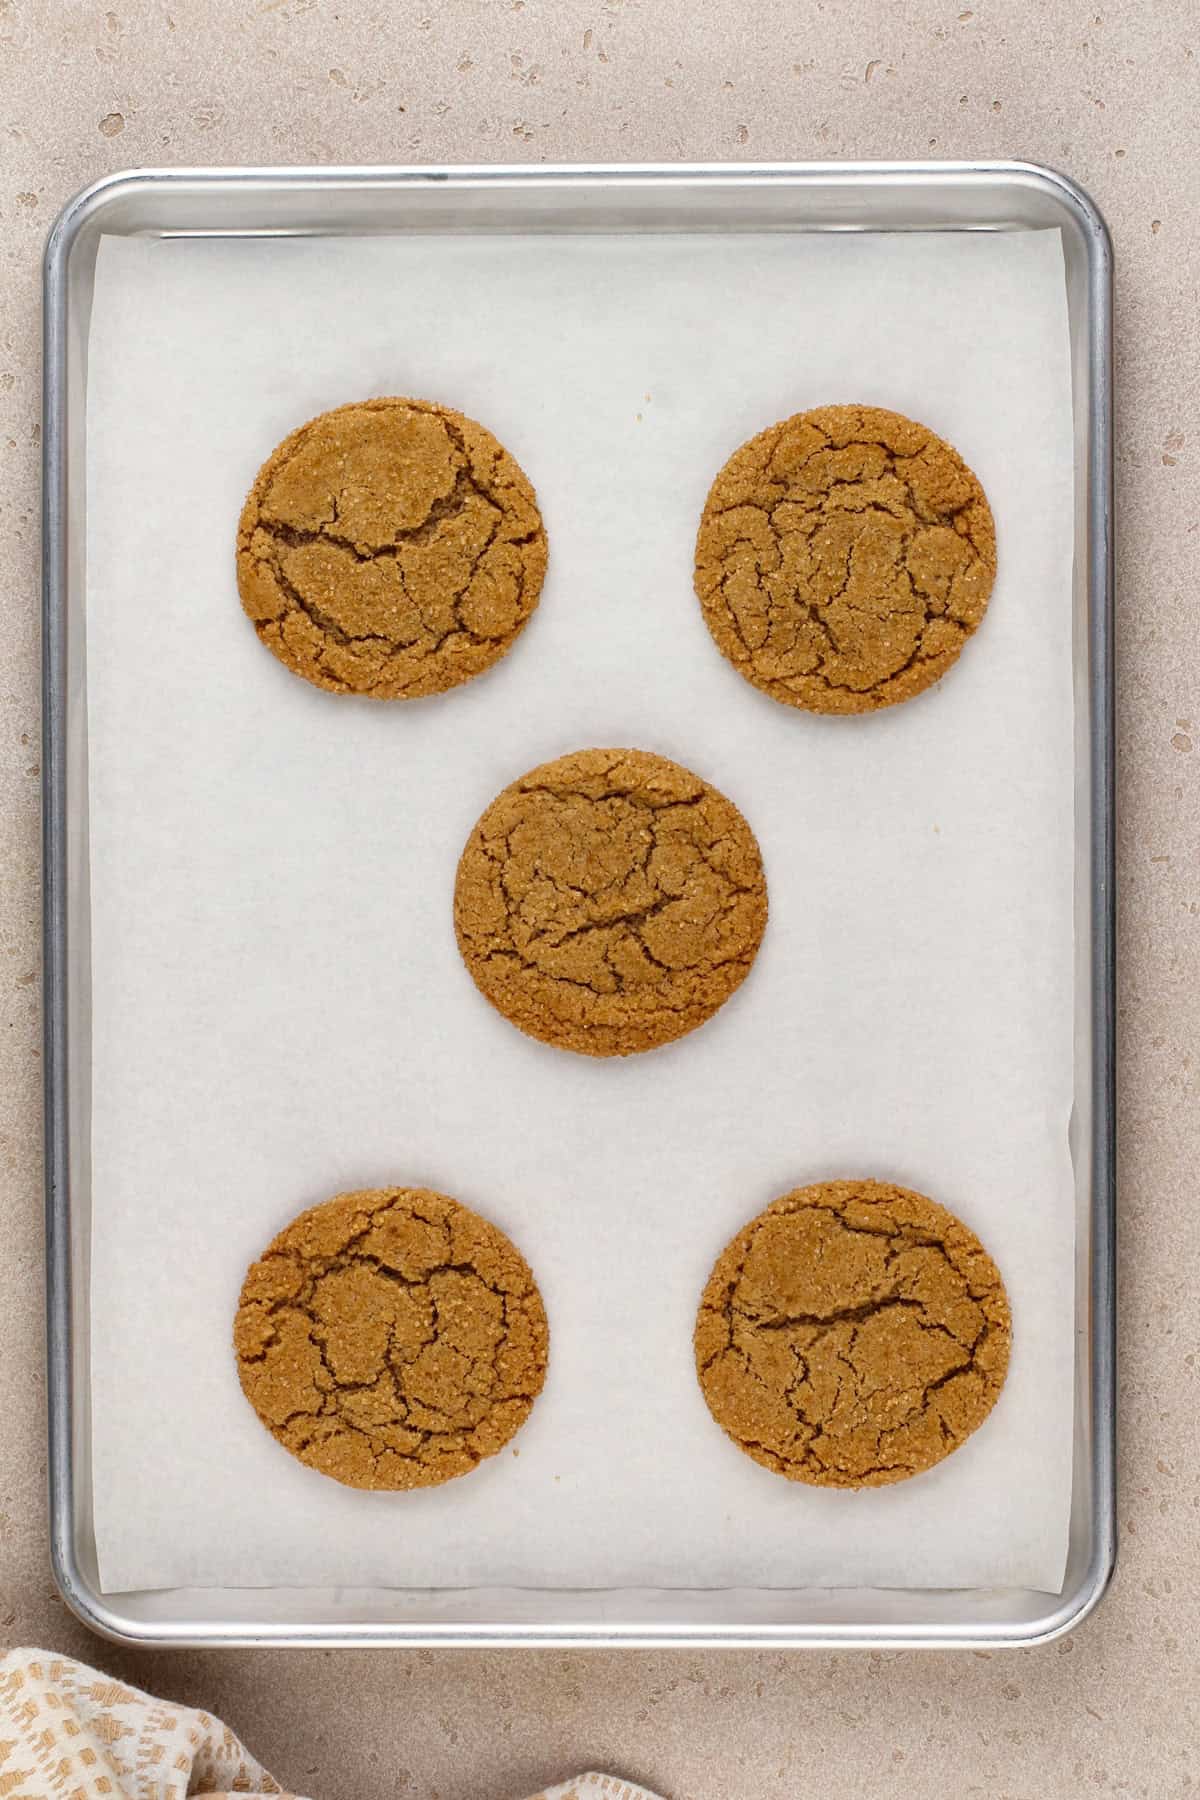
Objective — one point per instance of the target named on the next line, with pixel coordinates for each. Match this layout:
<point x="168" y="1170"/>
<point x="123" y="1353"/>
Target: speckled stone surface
<point x="1110" y="93"/>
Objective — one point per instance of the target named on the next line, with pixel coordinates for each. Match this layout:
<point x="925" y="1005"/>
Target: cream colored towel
<point x="69" y="1733"/>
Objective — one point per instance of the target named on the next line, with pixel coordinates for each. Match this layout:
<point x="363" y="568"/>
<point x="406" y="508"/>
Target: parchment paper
<point x="280" y="1012"/>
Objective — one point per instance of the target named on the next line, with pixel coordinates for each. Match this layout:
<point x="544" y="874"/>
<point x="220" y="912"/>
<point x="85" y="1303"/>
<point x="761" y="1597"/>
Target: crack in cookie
<point x="844" y="557"/>
<point x="852" y="1335"/>
<point x="609" y="901"/>
<point x="391" y="1338"/>
<point x="391" y="548"/>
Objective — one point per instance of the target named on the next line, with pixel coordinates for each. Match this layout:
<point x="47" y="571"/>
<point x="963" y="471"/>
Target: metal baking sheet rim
<point x="827" y="196"/>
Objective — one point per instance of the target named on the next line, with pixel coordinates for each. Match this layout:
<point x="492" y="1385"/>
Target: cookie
<point x="609" y="901"/>
<point x="391" y="1338"/>
<point x="853" y="1334"/>
<point x="844" y="558"/>
<point x="391" y="548"/>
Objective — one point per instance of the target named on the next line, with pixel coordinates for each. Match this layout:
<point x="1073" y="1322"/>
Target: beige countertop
<point x="1109" y="92"/>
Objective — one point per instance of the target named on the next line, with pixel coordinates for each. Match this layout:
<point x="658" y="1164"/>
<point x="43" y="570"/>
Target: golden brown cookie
<point x="391" y="548"/>
<point x="844" y="558"/>
<point x="391" y="1338"/>
<point x="852" y="1334"/>
<point x="609" y="901"/>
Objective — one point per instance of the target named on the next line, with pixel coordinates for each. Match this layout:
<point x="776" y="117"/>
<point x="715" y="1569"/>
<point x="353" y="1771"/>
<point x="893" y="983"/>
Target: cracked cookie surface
<point x="852" y="1335"/>
<point x="844" y="558"/>
<point x="390" y="547"/>
<point x="391" y="1338"/>
<point x="609" y="901"/>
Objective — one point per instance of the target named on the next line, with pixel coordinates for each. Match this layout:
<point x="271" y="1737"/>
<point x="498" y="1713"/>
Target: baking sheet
<point x="279" y="1011"/>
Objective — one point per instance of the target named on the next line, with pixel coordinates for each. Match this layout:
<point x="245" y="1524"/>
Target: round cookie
<point x="391" y="1338"/>
<point x="844" y="558"/>
<point x="609" y="901"/>
<point x="391" y="547"/>
<point x="852" y="1335"/>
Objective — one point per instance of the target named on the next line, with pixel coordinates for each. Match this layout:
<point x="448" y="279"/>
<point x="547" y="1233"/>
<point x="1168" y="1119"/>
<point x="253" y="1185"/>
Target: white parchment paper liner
<point x="279" y="1008"/>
